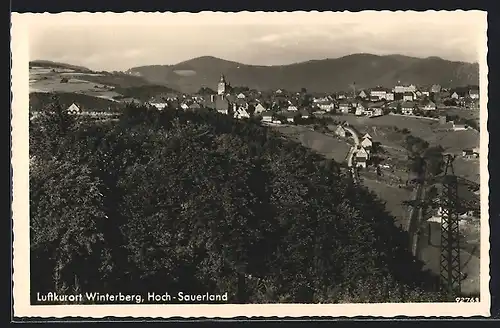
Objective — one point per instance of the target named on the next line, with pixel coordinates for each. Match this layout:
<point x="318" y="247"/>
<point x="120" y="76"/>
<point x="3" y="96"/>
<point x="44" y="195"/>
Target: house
<point x="366" y="143"/>
<point x="304" y="114"/>
<point x="436" y="88"/>
<point x="377" y="111"/>
<point x="469" y="154"/>
<point x="241" y="112"/>
<point x="361" y="162"/>
<point x="455" y="95"/>
<point x="184" y="106"/>
<point x="320" y="99"/>
<point x="404" y="88"/>
<point x="360" y="111"/>
<point x="474" y="94"/>
<point x="407" y="108"/>
<point x="341" y="95"/>
<point x="267" y="116"/>
<point x="428" y="105"/>
<point x="241" y="96"/>
<point x="158" y="102"/>
<point x="194" y="106"/>
<point x="292" y="108"/>
<point x="73" y="109"/>
<point x="459" y="127"/>
<point x="417" y="93"/>
<point x="389" y="96"/>
<point x="408" y="96"/>
<point x="362" y="94"/>
<point x="290" y="116"/>
<point x="327" y="106"/>
<point x="344" y="107"/>
<point x="378" y="92"/>
<point x="259" y="109"/>
<point x="279" y="91"/>
<point x="340" y="131"/>
<point x="222" y="105"/>
<point x="426" y="94"/>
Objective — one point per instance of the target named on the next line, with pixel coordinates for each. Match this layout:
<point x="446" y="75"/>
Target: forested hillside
<point x="199" y="202"/>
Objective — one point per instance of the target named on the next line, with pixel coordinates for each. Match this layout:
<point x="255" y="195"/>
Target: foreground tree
<point x="199" y="202"/>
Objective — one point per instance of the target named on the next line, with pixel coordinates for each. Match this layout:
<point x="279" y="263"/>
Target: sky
<point x="111" y="41"/>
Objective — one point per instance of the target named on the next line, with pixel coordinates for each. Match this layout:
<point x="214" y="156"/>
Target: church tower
<point x="221" y="89"/>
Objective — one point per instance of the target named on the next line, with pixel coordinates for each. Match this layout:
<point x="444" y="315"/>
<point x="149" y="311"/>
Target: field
<point x="45" y="80"/>
<point x="394" y="198"/>
<point x="330" y="147"/>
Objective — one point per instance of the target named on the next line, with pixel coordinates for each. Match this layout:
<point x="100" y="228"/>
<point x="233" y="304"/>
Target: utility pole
<point x="450" y="235"/>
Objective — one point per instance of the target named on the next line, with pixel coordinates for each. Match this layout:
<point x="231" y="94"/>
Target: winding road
<point x="351" y="152"/>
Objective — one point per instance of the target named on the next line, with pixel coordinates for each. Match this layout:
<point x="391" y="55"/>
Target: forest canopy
<point x="168" y="201"/>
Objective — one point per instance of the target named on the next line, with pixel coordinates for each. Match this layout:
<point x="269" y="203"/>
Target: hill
<point x="52" y="64"/>
<point x="148" y="204"/>
<point x="326" y="75"/>
<point x="39" y="100"/>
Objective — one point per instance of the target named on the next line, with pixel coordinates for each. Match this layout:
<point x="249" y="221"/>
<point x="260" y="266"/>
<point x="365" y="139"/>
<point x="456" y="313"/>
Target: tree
<point x="199" y="202"/>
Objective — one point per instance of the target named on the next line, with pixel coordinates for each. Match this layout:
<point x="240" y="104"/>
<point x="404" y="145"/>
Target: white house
<point x="405" y="88"/>
<point x="184" y="106"/>
<point x="366" y="143"/>
<point x="389" y="96"/>
<point x="407" y="108"/>
<point x="362" y="94"/>
<point x="368" y="112"/>
<point x="429" y="105"/>
<point x="360" y="111"/>
<point x="378" y="92"/>
<point x="377" y="111"/>
<point x="474" y="94"/>
<point x="73" y="109"/>
<point x="455" y="95"/>
<point x="408" y="96"/>
<point x="267" y="116"/>
<point x="241" y="112"/>
<point x="279" y="91"/>
<point x="327" y="106"/>
<point x="259" y="109"/>
<point x="292" y="108"/>
<point x="241" y="96"/>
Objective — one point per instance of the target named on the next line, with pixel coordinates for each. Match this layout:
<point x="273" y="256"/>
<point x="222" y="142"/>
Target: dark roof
<point x="407" y="104"/>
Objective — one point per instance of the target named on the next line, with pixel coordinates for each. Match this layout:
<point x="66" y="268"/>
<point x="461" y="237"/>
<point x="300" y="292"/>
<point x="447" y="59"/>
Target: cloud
<point x="118" y="44"/>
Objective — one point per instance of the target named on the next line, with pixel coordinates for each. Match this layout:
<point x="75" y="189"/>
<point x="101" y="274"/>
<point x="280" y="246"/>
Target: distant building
<point x="389" y="96"/>
<point x="428" y="105"/>
<point x="362" y="94"/>
<point x="378" y="92"/>
<point x="408" y="96"/>
<point x="407" y="108"/>
<point x="73" y="109"/>
<point x="455" y="95"/>
<point x="469" y="154"/>
<point x="267" y="116"/>
<point x="474" y="94"/>
<point x="405" y="88"/>
<point x="241" y="96"/>
<point x="340" y="131"/>
<point x="259" y="109"/>
<point x="366" y="143"/>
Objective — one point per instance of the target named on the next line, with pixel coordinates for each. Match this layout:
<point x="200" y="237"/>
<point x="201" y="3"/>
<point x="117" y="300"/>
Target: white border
<point x="20" y="160"/>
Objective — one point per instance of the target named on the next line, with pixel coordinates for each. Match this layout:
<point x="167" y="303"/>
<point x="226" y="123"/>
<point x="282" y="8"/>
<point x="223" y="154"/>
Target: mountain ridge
<point x="320" y="75"/>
